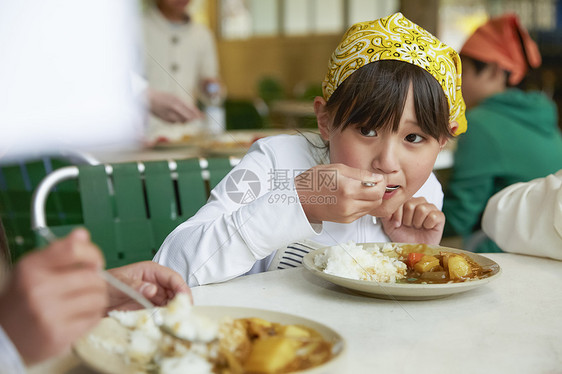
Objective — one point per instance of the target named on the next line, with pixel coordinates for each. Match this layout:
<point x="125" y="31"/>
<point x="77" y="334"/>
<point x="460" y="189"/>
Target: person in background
<point x="526" y="217"/>
<point x="54" y="295"/>
<point x="514" y="135"/>
<point x="170" y="108"/>
<point x="383" y="118"/>
<point x="163" y="105"/>
<point x="181" y="59"/>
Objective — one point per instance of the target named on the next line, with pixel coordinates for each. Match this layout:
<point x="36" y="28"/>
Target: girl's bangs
<point x="374" y="97"/>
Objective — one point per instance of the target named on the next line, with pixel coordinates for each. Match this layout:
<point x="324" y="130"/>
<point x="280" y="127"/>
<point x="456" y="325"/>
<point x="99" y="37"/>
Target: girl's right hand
<point x="335" y="193"/>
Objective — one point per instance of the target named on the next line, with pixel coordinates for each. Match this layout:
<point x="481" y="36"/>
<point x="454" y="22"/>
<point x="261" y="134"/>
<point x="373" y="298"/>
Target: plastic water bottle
<point x="215" y="117"/>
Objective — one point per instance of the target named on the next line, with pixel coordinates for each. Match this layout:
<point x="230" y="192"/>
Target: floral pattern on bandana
<point x="397" y="38"/>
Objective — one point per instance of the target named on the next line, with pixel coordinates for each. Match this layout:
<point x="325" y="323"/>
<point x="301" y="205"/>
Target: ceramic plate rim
<point x="217" y="311"/>
<point x="389" y="289"/>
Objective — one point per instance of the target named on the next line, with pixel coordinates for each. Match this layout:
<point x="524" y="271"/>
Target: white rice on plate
<point x="146" y="344"/>
<point x="353" y="261"/>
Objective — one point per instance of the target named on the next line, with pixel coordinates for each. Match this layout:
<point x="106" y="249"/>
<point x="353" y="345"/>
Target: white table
<point x="511" y="325"/>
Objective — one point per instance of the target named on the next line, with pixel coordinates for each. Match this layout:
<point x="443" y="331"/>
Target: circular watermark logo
<point x="243" y="186"/>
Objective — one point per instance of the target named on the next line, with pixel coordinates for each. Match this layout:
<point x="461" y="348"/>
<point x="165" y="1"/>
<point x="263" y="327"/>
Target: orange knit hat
<point x="503" y="41"/>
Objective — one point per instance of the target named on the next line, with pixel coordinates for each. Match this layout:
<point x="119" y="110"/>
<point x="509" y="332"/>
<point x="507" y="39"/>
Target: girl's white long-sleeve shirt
<point x="526" y="217"/>
<point x="10" y="360"/>
<point x="255" y="211"/>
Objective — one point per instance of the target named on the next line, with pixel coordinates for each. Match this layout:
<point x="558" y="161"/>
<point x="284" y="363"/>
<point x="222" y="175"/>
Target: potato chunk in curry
<point x="458" y="267"/>
<point x="269" y="355"/>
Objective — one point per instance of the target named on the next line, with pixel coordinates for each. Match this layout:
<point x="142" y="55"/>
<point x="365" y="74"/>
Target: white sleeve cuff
<point x="10" y="360"/>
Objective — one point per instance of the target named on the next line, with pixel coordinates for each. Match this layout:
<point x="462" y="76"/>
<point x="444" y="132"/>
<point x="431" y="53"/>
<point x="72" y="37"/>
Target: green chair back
<point x="218" y="168"/>
<point x="17" y="183"/>
<point x="130" y="211"/>
<point x="172" y="201"/>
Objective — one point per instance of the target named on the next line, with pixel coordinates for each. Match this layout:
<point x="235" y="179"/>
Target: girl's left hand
<point x="416" y="221"/>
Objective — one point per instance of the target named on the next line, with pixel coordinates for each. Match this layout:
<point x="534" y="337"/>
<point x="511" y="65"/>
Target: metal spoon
<point x="373" y="184"/>
<point x="368" y="184"/>
<point x="48" y="235"/>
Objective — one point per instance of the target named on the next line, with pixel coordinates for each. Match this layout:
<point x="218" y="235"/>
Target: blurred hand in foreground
<point x="53" y="297"/>
<point x="157" y="283"/>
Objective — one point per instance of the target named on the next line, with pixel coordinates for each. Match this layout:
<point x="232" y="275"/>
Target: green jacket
<point x="512" y="137"/>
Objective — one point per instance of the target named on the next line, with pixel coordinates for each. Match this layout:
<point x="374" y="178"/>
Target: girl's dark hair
<point x="374" y="97"/>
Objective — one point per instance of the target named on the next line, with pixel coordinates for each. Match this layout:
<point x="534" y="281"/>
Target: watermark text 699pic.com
<point x="282" y="198"/>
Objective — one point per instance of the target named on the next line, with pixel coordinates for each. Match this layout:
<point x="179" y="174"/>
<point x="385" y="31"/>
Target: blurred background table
<point x="229" y="144"/>
<point x="293" y="112"/>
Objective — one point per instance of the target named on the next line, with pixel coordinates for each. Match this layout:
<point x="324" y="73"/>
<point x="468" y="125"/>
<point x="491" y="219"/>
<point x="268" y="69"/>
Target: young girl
<point x="391" y="101"/>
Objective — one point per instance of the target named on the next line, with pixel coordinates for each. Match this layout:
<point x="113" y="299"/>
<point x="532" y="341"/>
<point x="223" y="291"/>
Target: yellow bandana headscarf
<point x="397" y="38"/>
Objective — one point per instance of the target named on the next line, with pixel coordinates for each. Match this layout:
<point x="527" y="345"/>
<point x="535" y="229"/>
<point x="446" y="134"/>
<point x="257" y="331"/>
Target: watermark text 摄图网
<point x="317" y="180"/>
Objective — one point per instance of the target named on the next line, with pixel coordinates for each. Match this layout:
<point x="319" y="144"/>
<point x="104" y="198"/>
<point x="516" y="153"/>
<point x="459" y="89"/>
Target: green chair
<point x="217" y="169"/>
<point x="18" y="180"/>
<point x="130" y="208"/>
